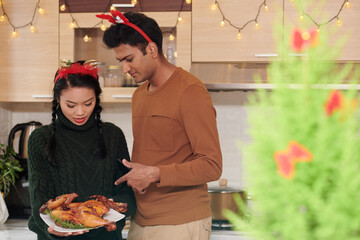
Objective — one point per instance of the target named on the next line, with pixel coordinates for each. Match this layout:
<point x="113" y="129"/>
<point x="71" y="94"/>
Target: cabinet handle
<point x="297" y="54"/>
<point x="266" y="55"/>
<point x="42" y="96"/>
<point x="122" y="96"/>
<point x="120" y="5"/>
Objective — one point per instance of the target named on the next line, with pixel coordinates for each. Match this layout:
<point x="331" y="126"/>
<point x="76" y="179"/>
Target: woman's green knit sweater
<point x="79" y="171"/>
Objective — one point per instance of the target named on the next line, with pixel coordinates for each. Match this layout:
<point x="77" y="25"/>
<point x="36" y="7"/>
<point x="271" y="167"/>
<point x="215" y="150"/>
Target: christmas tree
<point x="303" y="162"/>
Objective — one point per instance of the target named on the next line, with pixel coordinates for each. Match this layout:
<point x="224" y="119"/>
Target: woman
<point x="77" y="152"/>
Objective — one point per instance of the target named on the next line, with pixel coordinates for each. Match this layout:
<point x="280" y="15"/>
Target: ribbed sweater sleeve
<point x="122" y="192"/>
<point x="40" y="182"/>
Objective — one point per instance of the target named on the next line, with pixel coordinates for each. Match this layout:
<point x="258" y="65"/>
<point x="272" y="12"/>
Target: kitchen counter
<point x="16" y="229"/>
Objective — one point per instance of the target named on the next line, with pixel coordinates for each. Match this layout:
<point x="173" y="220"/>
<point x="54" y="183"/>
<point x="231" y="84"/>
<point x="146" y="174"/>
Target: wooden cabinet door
<point x="323" y="11"/>
<point x="213" y="43"/>
<point x="28" y="63"/>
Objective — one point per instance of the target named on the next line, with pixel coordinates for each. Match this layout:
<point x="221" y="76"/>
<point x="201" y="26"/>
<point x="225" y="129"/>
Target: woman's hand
<point x="65" y="234"/>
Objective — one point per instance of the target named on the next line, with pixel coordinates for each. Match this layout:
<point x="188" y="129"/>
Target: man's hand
<point x="140" y="176"/>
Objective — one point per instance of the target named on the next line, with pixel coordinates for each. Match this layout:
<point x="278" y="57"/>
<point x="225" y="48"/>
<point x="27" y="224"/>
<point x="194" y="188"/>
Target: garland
<point x="215" y="5"/>
<point x="5" y="16"/>
<point x="263" y="5"/>
<point x="110" y="7"/>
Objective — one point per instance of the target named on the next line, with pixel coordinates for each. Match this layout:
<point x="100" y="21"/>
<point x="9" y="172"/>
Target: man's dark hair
<point x="119" y="34"/>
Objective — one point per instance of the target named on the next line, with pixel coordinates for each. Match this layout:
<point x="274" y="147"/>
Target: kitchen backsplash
<point x="231" y="120"/>
<point x="5" y="120"/>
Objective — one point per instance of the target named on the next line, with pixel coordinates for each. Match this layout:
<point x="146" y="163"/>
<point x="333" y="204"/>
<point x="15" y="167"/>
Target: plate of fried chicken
<point x="68" y="216"/>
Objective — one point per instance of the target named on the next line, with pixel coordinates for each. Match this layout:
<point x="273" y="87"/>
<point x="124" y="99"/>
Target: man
<point x="176" y="148"/>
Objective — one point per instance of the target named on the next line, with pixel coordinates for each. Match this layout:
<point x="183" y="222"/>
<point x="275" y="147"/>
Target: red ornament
<point x="285" y="166"/>
<point x="302" y="39"/>
<point x="287" y="159"/>
<point x="298" y="152"/>
<point x="334" y="102"/>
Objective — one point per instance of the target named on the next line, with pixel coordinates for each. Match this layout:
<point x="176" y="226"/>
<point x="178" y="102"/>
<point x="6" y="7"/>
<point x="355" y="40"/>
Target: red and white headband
<point x="118" y="17"/>
<point x="88" y="68"/>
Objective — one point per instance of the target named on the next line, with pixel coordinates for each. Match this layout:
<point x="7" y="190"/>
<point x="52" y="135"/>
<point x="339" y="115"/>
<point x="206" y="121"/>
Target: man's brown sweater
<point x="175" y="129"/>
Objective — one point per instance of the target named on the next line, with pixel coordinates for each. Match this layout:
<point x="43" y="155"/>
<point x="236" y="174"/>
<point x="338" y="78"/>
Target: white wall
<point x="231" y="120"/>
<point x="5" y="120"/>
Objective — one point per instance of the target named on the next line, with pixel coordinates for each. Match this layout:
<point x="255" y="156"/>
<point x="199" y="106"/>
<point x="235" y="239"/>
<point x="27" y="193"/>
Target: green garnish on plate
<point x="65" y="224"/>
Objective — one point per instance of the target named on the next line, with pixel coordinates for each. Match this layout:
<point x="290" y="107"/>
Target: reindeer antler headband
<point x="66" y="67"/>
<point x="118" y="17"/>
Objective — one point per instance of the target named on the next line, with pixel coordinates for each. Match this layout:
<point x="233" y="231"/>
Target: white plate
<point x="111" y="215"/>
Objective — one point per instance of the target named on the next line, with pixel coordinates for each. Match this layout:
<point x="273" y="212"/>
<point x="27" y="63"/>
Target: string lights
<point x="109" y="6"/>
<point x="216" y="5"/>
<point x="75" y="24"/>
<point x="318" y="25"/>
<point x="264" y="6"/>
<point x="32" y="28"/>
<point x="179" y="19"/>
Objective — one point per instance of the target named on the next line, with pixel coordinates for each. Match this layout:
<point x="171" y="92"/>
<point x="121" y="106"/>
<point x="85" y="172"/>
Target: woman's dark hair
<point x="119" y="34"/>
<point x="75" y="80"/>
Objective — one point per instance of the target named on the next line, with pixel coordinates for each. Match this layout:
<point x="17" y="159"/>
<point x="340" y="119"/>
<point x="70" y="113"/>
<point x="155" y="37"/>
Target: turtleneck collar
<point x="66" y="123"/>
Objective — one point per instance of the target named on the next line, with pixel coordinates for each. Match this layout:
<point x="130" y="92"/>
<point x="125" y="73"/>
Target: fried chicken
<point x="88" y="213"/>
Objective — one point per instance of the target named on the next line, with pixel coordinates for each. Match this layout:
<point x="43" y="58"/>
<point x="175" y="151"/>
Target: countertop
<point x="16" y="229"/>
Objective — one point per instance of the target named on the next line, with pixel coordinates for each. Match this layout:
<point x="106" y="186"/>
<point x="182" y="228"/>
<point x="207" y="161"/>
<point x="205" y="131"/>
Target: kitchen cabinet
<point x="323" y="11"/>
<point x="70" y="51"/>
<point x="213" y="43"/>
<point x="28" y="62"/>
<point x="141" y="6"/>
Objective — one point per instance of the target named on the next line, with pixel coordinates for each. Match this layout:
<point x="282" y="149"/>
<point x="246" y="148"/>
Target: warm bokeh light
<point x="2" y="18"/>
<point x="62" y="7"/>
<point x="257" y="26"/>
<point x="338" y="22"/>
<point x="222" y="23"/>
<point x="180" y="19"/>
<point x="305" y="35"/>
<point x="238" y="36"/>
<point x="14" y="34"/>
<point x="266" y="8"/>
<point x="348" y="4"/>
<point x="32" y="28"/>
<point x="86" y="38"/>
<point x="213" y="6"/>
<point x="112" y="8"/>
<point x="73" y="24"/>
<point x="133" y="2"/>
<point x="41" y="10"/>
<point x="171" y="37"/>
<point x="301" y="18"/>
<point x="188" y="1"/>
<point x="103" y="27"/>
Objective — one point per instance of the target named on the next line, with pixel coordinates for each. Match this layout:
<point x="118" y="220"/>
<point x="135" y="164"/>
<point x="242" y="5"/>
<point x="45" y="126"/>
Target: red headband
<point x="117" y="17"/>
<point x="76" y="68"/>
